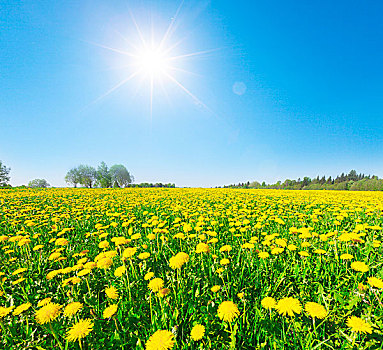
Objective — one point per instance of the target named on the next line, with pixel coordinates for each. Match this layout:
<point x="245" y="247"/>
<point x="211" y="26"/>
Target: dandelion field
<point x="190" y="269"/>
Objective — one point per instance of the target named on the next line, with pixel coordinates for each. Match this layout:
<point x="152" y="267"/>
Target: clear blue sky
<point x="294" y="89"/>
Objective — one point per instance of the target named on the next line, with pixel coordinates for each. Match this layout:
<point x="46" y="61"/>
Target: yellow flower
<point x="288" y="306"/>
<point x="228" y="311"/>
<point x="160" y="340"/>
<point x="111" y="292"/>
<point x="224" y="261"/>
<point x="225" y="248"/>
<point x="79" y="330"/>
<point x="18" y="271"/>
<point x="156" y="284"/>
<point x="316" y="310"/>
<point x="44" y="302"/>
<point x="109" y="311"/>
<point x="4" y="311"/>
<point x="375" y="282"/>
<point x="129" y="252"/>
<point x="18" y="281"/>
<point x="148" y="276"/>
<point x="268" y="303"/>
<point x="197" y="332"/>
<point x="21" y="308"/>
<point x="215" y="289"/>
<point x="346" y="256"/>
<point x="263" y="255"/>
<point x="48" y="313"/>
<point x="358" y="325"/>
<point x="120" y="271"/>
<point x="359" y="266"/>
<point x="104" y="263"/>
<point x="176" y="262"/>
<point x="292" y="247"/>
<point x="103" y="244"/>
<point x="202" y="248"/>
<point x="303" y="253"/>
<point x="72" y="308"/>
<point x="143" y="255"/>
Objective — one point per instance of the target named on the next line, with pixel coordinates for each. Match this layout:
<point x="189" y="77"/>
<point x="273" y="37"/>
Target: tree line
<point x="115" y="176"/>
<point x="351" y="181"/>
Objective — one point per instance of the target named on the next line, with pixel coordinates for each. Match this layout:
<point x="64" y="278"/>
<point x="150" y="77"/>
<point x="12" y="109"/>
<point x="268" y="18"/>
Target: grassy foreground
<point x="190" y="269"/>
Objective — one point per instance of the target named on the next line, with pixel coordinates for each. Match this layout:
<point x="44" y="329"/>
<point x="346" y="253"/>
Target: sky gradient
<point x="286" y="90"/>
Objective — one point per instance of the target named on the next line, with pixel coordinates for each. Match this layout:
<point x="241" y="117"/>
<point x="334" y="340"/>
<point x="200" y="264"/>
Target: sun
<point x="153" y="62"/>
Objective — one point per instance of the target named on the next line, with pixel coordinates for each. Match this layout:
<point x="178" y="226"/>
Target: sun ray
<point x="138" y="30"/>
<point x="170" y="27"/>
<point x="114" y="88"/>
<point x="193" y="54"/>
<point x="123" y="52"/>
<point x="195" y="98"/>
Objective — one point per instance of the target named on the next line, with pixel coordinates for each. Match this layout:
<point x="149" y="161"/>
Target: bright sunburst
<point x="154" y="62"/>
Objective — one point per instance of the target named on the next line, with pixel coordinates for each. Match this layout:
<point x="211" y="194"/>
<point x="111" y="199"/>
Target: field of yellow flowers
<point x="190" y="269"/>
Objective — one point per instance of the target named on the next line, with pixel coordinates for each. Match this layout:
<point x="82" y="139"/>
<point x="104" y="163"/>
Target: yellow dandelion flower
<point x="202" y="248"/>
<point x="44" y="302"/>
<point x="228" y="311"/>
<point x="197" y="332"/>
<point x="359" y="266"/>
<point x="215" y="288"/>
<point x="156" y="284"/>
<point x="346" y="256"/>
<point x="148" y="276"/>
<point x="358" y="325"/>
<point x="72" y="308"/>
<point x="79" y="330"/>
<point x="288" y="306"/>
<point x="120" y="271"/>
<point x="143" y="255"/>
<point x="375" y="282"/>
<point x="160" y="340"/>
<point x="21" y="308"/>
<point x="268" y="303"/>
<point x="316" y="310"/>
<point x="18" y="271"/>
<point x="111" y="292"/>
<point x="109" y="311"/>
<point x="48" y="313"/>
<point x="263" y="255"/>
<point x="104" y="263"/>
<point x="4" y="311"/>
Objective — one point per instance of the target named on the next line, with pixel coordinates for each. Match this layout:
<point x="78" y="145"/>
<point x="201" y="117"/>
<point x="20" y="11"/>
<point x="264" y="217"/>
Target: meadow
<point x="190" y="269"/>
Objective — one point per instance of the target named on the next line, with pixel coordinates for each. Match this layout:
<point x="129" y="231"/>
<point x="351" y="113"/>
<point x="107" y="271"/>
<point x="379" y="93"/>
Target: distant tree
<point x="306" y="181"/>
<point x="120" y="176"/>
<point x="73" y="177"/>
<point x="4" y="174"/>
<point x="38" y="183"/>
<point x="87" y="175"/>
<point x="255" y="184"/>
<point x="353" y="176"/>
<point x="104" y="177"/>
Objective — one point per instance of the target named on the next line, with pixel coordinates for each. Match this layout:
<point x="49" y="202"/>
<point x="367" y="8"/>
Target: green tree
<point x="120" y="176"/>
<point x="104" y="177"/>
<point x="87" y="174"/>
<point x="73" y="177"/>
<point x="4" y="174"/>
<point x="38" y="183"/>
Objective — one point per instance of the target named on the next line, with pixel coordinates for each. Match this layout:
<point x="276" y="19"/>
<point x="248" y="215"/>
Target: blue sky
<point x="293" y="89"/>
